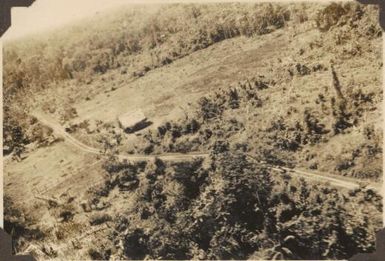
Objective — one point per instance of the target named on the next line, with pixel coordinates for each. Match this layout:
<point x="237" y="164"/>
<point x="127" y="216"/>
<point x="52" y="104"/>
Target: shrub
<point x="19" y="226"/>
<point x="98" y="219"/>
<point x="285" y="137"/>
<point x="209" y="109"/>
<point x="338" y="13"/>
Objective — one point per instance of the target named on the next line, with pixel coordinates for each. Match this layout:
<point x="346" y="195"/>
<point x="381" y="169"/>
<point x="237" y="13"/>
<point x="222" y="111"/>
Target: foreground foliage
<point x="235" y="209"/>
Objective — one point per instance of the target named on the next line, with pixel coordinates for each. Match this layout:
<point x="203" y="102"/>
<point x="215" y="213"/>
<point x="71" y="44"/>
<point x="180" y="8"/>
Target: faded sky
<point x="49" y="14"/>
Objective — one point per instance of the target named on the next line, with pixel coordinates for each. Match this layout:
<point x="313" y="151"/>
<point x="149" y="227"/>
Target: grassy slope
<point x="230" y="61"/>
<point x="63" y="65"/>
<point x="288" y="100"/>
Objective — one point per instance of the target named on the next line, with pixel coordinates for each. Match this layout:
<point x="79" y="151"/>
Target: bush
<point x="19" y="226"/>
<point x="209" y="109"/>
<point x="285" y="137"/>
<point x="98" y="219"/>
<point x="338" y="13"/>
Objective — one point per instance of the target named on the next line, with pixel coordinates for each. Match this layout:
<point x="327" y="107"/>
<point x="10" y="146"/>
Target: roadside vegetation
<point x="281" y="114"/>
<point x="233" y="208"/>
<point x="314" y="109"/>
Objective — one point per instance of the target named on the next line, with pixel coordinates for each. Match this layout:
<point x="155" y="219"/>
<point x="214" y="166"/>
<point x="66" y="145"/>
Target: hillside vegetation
<point x="315" y="109"/>
<point x="315" y="104"/>
<point x="145" y="38"/>
<point x="133" y="40"/>
<point x="234" y="209"/>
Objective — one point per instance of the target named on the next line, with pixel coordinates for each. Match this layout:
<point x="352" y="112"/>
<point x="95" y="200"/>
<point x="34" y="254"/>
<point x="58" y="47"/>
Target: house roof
<point x="131" y="118"/>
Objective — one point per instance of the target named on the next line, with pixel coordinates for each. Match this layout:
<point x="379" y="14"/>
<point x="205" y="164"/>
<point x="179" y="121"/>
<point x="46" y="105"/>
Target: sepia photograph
<point x="193" y="130"/>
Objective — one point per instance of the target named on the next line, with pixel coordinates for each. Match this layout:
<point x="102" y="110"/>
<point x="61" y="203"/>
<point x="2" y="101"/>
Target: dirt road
<point x="336" y="181"/>
<point x="333" y="180"/>
<point x="60" y="131"/>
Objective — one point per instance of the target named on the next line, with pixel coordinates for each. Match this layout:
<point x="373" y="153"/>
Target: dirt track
<point x="334" y="180"/>
<point x="60" y="131"/>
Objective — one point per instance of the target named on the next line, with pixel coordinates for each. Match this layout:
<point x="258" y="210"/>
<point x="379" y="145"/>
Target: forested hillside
<point x="254" y="87"/>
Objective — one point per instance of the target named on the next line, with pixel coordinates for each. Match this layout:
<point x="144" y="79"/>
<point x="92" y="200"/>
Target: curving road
<point x="60" y="131"/>
<point x="334" y="180"/>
